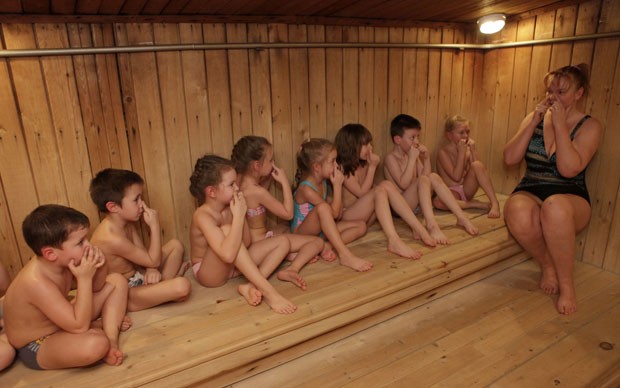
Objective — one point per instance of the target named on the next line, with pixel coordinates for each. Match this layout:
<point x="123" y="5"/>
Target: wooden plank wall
<point x="64" y="118"/>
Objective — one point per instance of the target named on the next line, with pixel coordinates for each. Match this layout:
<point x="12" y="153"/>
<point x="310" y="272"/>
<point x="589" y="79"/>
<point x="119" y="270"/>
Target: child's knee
<point x="181" y="288"/>
<point x="94" y="347"/>
<point x="176" y="246"/>
<point x="118" y="281"/>
<point x="478" y="166"/>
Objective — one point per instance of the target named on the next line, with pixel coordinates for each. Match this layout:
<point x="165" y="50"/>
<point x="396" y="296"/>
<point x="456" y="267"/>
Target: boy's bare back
<point x="31" y="288"/>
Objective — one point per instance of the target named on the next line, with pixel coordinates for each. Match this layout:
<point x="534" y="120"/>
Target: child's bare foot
<point x="114" y="356"/>
<point x="250" y="294"/>
<point x="280" y="304"/>
<point x="126" y="323"/>
<point x="567" y="302"/>
<point x="548" y="280"/>
<point x="438" y="235"/>
<point x="475" y="204"/>
<point x="356" y="263"/>
<point x="468" y="226"/>
<point x="494" y="212"/>
<point x="426" y="238"/>
<point x="398" y="246"/>
<point x="184" y="267"/>
<point x="290" y="275"/>
<point x="328" y="253"/>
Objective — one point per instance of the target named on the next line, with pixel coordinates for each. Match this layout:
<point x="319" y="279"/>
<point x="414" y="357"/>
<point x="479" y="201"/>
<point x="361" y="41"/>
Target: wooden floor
<point x="216" y="339"/>
<point x="500" y="331"/>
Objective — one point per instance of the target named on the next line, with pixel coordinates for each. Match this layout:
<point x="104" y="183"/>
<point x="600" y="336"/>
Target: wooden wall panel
<point x="64" y="118"/>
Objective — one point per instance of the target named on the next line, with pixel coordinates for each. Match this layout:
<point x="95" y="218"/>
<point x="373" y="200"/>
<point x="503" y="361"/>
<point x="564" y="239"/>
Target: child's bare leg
<point x="482" y="178"/>
<point x="269" y="253"/>
<point x="307" y="248"/>
<point x="444" y="193"/>
<point x="426" y="204"/>
<point x="67" y="350"/>
<point x="113" y="316"/>
<point x="7" y="352"/>
<point x="143" y="297"/>
<point x="247" y="266"/>
<point x="172" y="260"/>
<point x="386" y="196"/>
<point x="323" y="214"/>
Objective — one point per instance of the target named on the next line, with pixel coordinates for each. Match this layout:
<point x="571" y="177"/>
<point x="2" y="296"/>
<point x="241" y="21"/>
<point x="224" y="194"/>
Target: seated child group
<point x="68" y="305"/>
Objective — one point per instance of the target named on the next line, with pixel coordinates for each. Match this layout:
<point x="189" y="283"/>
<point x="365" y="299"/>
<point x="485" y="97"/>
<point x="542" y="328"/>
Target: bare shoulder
<point x="590" y="132"/>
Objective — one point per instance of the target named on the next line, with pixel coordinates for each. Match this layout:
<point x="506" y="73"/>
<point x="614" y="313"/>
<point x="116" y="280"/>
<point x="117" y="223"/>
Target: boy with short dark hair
<point x="48" y="330"/>
<point x="154" y="274"/>
<point x="409" y="167"/>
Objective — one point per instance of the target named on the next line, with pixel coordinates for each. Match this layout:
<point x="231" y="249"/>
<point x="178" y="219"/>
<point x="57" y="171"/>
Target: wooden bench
<point x="216" y="338"/>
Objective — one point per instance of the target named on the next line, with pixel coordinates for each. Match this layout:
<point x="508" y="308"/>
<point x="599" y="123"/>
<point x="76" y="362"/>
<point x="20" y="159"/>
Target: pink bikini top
<point x="257" y="211"/>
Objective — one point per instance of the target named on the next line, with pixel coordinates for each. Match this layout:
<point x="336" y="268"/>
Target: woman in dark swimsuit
<point x="551" y="203"/>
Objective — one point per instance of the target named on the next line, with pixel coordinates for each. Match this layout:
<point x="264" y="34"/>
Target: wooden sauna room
<point x="153" y="85"/>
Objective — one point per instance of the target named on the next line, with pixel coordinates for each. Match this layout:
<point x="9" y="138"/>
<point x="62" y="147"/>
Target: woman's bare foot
<point x="398" y="246"/>
<point x="290" y="275"/>
<point x="126" y="323"/>
<point x="114" y="356"/>
<point x="328" y="253"/>
<point x="548" y="280"/>
<point x="438" y="235"/>
<point x="567" y="302"/>
<point x="184" y="267"/>
<point x="494" y="211"/>
<point x="356" y="263"/>
<point x="250" y="294"/>
<point x="280" y="304"/>
<point x="467" y="225"/>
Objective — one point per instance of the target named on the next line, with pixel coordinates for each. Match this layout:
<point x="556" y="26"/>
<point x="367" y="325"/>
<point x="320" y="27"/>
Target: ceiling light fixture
<point x="491" y="24"/>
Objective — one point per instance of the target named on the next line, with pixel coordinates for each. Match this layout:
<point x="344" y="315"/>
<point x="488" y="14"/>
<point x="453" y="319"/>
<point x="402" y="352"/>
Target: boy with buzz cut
<point x="154" y="274"/>
<point x="48" y="330"/>
<point x="409" y="167"/>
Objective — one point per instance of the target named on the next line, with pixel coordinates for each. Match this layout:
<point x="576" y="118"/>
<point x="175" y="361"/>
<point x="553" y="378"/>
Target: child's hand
<point x="279" y="176"/>
<point x="152" y="276"/>
<point x="337" y="177"/>
<point x="423" y="151"/>
<point x="238" y="206"/>
<point x="150" y="216"/>
<point x="471" y="144"/>
<point x="373" y="159"/>
<point x="92" y="259"/>
<point x="461" y="146"/>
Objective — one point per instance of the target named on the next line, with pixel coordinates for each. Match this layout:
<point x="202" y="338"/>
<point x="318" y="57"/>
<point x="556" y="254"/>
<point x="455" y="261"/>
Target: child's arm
<point x="282" y="209"/>
<point x="358" y="189"/>
<point x="71" y="317"/>
<point x="402" y="177"/>
<point x="226" y="247"/>
<point x="471" y="150"/>
<point x="425" y="160"/>
<point x="455" y="172"/>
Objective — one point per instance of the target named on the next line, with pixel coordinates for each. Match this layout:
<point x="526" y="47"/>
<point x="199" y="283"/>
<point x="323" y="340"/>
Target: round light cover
<point x="491" y="24"/>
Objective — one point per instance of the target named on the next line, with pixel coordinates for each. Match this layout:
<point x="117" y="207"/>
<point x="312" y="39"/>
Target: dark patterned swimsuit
<point x="542" y="177"/>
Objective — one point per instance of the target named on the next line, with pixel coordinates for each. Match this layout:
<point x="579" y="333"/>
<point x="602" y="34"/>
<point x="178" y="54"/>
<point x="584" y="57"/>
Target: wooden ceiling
<point x="396" y="12"/>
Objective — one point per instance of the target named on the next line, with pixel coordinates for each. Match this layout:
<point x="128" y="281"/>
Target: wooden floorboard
<point x="216" y="338"/>
<point x="500" y="331"/>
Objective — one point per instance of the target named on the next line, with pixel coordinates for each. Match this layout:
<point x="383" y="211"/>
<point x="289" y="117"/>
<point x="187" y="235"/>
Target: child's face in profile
<point x="132" y="204"/>
<point x="460" y="132"/>
<point x="267" y="162"/>
<point x="329" y="164"/>
<point x="365" y="151"/>
<point x="74" y="246"/>
<point x="410" y="138"/>
<point x="227" y="188"/>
